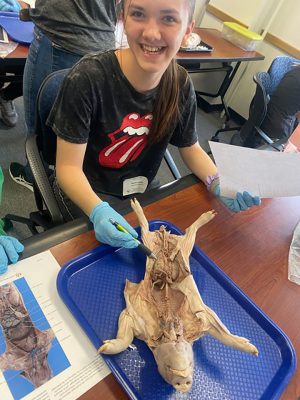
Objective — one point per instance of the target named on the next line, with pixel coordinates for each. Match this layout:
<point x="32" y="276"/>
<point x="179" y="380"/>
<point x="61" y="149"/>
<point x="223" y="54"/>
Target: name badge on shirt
<point x="137" y="184"/>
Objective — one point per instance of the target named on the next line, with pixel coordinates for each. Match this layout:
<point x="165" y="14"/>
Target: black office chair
<point x="257" y="112"/>
<point x="278" y="68"/>
<point x="254" y="136"/>
<point x="40" y="151"/>
<point x="266" y="83"/>
<point x="250" y="134"/>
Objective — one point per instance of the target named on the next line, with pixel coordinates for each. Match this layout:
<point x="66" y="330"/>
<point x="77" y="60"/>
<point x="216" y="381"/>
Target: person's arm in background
<point x="203" y="167"/>
<point x="10" y="247"/>
<point x="72" y="180"/>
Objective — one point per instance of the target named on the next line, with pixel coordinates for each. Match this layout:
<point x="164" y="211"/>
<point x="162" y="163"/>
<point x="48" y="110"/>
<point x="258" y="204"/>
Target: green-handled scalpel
<point x="141" y="246"/>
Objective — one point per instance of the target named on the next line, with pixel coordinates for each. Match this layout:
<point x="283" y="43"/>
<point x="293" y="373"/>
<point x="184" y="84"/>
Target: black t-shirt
<point x="79" y="26"/>
<point x="97" y="105"/>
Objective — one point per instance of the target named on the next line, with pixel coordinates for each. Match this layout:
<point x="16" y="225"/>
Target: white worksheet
<point x="262" y="173"/>
<point x="44" y="354"/>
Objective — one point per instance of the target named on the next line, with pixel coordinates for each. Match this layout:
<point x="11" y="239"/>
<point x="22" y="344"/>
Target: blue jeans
<point x="44" y="57"/>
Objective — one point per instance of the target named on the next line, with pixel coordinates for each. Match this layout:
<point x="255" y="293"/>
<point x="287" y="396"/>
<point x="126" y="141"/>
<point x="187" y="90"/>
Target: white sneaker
<point x="17" y="173"/>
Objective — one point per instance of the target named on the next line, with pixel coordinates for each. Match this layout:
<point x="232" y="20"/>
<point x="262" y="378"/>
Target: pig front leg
<point x="124" y="337"/>
<point x="135" y="205"/>
<point x="147" y="236"/>
<point x="190" y="233"/>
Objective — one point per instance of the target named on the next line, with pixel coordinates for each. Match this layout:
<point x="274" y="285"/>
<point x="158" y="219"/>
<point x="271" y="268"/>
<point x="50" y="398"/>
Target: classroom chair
<point x="278" y="68"/>
<point x="40" y="149"/>
<point x="251" y="134"/>
<point x="257" y="113"/>
<point x="266" y="83"/>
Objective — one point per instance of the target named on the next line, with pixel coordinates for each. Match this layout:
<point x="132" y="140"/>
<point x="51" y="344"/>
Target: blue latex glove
<point x="241" y="202"/>
<point x="10" y="5"/>
<point x="9" y="249"/>
<point x="106" y="232"/>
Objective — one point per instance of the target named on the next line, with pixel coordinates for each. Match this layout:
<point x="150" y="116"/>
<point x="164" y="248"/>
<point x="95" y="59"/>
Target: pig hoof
<point x="252" y="349"/>
<point x="106" y="347"/>
<point x="113" y="346"/>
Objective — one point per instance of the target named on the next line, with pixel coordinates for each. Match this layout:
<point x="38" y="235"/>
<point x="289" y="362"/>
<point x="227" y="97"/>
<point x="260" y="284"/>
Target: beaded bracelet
<point x="211" y="181"/>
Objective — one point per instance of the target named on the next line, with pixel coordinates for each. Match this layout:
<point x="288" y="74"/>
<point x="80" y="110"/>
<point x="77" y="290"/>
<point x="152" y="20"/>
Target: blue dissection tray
<point x="18" y="31"/>
<point x="92" y="287"/>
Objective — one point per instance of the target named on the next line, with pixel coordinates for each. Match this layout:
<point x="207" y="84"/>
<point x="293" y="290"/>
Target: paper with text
<point x="260" y="172"/>
<point x="44" y="354"/>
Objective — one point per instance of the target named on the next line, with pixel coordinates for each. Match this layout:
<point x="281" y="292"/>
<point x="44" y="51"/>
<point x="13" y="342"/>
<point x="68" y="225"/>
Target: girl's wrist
<point x="211" y="181"/>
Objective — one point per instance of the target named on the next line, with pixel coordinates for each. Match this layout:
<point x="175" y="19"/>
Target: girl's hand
<point x="242" y="201"/>
<point x="106" y="232"/>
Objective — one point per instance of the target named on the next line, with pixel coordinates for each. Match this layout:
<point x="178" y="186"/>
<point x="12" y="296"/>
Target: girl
<point x="117" y="112"/>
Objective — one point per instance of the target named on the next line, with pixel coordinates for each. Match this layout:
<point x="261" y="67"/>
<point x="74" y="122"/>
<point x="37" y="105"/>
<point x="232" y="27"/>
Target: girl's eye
<point x="169" y="19"/>
<point x="137" y="14"/>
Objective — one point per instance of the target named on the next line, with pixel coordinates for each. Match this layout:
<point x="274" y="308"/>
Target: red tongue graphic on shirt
<point x="127" y="142"/>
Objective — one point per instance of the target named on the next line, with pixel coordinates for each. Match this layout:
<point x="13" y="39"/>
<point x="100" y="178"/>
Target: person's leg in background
<point x="44" y="57"/>
<point x="9" y="91"/>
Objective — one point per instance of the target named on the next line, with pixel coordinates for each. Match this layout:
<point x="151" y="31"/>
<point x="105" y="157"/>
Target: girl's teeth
<point x="152" y="49"/>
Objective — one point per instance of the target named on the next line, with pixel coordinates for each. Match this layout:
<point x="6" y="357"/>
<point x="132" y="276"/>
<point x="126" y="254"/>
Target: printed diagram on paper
<point x="43" y="352"/>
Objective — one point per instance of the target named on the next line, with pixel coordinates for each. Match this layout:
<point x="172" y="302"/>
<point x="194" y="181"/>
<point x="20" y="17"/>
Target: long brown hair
<point x="167" y="106"/>
<point x="166" y="109"/>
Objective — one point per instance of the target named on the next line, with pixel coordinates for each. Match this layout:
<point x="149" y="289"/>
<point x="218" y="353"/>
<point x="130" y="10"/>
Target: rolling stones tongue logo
<point x="127" y="142"/>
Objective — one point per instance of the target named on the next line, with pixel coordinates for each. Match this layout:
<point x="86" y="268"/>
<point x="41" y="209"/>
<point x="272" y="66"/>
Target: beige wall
<point x="286" y="23"/>
<point x="242" y="10"/>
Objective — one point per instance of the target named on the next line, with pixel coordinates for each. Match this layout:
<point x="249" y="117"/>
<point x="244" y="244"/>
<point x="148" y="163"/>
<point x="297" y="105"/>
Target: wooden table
<point x="20" y="53"/>
<point x="224" y="51"/>
<point x="251" y="248"/>
<point x="15" y="59"/>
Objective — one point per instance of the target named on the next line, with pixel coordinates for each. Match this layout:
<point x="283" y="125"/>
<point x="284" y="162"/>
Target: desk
<point x="16" y="58"/>
<point x="251" y="247"/>
<point x="224" y="52"/>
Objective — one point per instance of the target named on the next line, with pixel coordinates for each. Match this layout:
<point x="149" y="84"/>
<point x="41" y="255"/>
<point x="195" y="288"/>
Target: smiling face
<point x="155" y="30"/>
